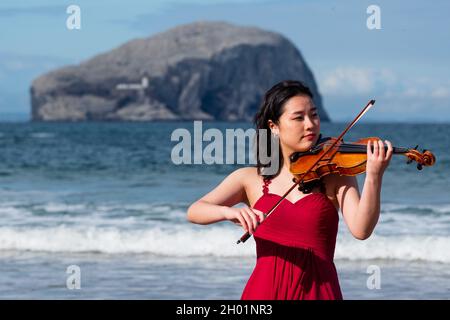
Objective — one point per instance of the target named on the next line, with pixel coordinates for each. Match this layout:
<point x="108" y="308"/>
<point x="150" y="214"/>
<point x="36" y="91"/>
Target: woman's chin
<point x="304" y="147"/>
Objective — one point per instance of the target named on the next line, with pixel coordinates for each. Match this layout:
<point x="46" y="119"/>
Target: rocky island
<point x="201" y="71"/>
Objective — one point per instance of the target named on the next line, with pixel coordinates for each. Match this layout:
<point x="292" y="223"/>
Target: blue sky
<point x="405" y="65"/>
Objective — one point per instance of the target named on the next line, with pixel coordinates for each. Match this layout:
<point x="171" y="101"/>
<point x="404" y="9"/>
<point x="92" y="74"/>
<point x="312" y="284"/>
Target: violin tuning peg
<point x="408" y="161"/>
<point x="424" y="150"/>
<point x="416" y="147"/>
<point x="294" y="180"/>
<point x="419" y="166"/>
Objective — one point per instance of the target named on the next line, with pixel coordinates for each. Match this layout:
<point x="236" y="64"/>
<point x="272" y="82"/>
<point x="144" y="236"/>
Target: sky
<point x="404" y="64"/>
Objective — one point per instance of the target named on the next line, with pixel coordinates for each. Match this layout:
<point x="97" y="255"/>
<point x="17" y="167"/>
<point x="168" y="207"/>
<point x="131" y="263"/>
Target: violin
<point x="332" y="155"/>
<point x="347" y="159"/>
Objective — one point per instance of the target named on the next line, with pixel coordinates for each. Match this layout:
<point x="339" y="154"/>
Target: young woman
<point x="295" y="245"/>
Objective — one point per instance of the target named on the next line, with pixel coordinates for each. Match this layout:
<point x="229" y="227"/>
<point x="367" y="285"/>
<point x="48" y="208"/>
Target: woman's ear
<point x="273" y="127"/>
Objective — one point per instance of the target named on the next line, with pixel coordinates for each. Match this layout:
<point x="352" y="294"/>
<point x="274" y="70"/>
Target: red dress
<point x="295" y="250"/>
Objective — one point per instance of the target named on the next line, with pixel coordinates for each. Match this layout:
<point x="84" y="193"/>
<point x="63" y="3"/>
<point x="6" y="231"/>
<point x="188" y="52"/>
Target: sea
<point x="98" y="211"/>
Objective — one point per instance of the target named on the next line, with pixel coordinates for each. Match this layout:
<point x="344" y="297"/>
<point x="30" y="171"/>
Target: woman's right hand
<point x="248" y="218"/>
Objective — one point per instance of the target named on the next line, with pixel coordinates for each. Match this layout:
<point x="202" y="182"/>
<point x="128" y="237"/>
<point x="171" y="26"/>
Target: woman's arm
<point x="361" y="214"/>
<point x="215" y="206"/>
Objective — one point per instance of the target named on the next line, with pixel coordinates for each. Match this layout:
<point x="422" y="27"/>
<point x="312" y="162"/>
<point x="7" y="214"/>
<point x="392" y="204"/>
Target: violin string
<point x="363" y="148"/>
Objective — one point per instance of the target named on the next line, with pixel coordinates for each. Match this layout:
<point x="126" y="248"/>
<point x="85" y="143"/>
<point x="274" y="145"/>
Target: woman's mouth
<point x="310" y="136"/>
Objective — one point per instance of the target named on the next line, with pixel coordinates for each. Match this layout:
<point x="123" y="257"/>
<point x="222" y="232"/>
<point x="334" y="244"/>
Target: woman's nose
<point x="309" y="122"/>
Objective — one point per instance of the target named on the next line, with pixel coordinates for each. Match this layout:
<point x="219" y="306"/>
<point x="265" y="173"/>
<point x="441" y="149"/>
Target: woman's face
<point x="299" y="119"/>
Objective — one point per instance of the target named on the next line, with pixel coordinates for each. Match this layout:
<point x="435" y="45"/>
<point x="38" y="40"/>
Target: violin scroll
<point x="424" y="158"/>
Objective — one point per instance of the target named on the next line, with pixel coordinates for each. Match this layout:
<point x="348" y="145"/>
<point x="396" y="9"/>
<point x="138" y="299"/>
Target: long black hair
<point x="272" y="107"/>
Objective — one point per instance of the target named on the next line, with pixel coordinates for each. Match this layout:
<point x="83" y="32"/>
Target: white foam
<point x="214" y="241"/>
<point x="62" y="207"/>
<point x="413" y="224"/>
<point x="418" y="247"/>
<point x="90" y="214"/>
<point x="184" y="241"/>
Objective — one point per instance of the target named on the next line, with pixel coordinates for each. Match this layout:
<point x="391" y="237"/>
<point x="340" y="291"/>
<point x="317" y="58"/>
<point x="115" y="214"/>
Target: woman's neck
<point x="285" y="170"/>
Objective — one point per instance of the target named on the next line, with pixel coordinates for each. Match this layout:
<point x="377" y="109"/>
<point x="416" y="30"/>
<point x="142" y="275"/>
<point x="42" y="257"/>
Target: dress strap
<point x="266" y="186"/>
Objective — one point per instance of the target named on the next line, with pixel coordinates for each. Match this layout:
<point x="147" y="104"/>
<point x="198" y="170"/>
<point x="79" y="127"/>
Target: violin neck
<point x="354" y="148"/>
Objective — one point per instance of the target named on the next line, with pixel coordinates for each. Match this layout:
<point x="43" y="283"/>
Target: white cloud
<point x="412" y="92"/>
<point x="420" y="89"/>
<point x="441" y="92"/>
<point x="351" y="81"/>
<point x="347" y="80"/>
<point x="399" y="96"/>
<point x="387" y="76"/>
<point x="355" y="80"/>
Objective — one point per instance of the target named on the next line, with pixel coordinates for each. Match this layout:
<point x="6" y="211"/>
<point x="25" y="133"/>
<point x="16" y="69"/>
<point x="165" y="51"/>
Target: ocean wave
<point x="215" y="241"/>
<point x="118" y="210"/>
<point x="53" y="207"/>
<point x="405" y="247"/>
<point x="147" y="215"/>
<point x="218" y="241"/>
<point x="419" y="209"/>
<point x="42" y="135"/>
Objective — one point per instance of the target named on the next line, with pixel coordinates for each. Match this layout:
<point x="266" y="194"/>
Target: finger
<point x="242" y="222"/>
<point x="390" y="150"/>
<point x="375" y="149"/>
<point x="248" y="220"/>
<point x="236" y="221"/>
<point x="252" y="216"/>
<point x="389" y="144"/>
<point x="381" y="149"/>
<point x="261" y="215"/>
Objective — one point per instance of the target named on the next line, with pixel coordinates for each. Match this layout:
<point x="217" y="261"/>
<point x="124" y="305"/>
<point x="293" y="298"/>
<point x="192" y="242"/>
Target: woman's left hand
<point x="378" y="159"/>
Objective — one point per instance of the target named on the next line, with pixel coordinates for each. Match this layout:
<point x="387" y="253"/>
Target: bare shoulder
<point x="241" y="177"/>
<point x="248" y="175"/>
<point x="231" y="190"/>
<point x="245" y="171"/>
<point x="250" y="179"/>
<point x="244" y="175"/>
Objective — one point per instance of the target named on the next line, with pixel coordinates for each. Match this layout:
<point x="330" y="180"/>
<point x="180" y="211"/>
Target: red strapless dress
<point x="295" y="250"/>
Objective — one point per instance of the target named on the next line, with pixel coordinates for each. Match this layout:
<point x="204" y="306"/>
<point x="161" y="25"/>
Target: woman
<point x="295" y="246"/>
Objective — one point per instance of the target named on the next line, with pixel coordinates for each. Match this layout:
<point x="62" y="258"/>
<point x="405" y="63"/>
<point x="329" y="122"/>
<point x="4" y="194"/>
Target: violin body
<point x="341" y="158"/>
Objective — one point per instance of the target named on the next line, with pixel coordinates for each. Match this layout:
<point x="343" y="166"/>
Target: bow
<point x="300" y="180"/>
